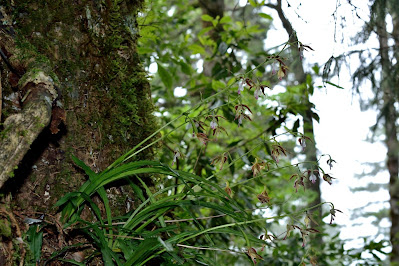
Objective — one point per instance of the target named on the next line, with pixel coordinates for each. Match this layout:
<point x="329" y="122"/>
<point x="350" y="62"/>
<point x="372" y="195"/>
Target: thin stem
<point x="271" y="170"/>
<point x="179" y="245"/>
<point x="199" y="218"/>
<point x="196" y="161"/>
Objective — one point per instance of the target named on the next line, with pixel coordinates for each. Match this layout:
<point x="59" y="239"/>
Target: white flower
<point x="176" y="156"/>
<point x="256" y="94"/>
<point x="239" y="120"/>
<point x="213" y="124"/>
<point x="312" y="178"/>
<point x="240" y="87"/>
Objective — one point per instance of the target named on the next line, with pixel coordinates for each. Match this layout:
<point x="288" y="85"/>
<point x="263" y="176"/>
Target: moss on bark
<point x="91" y="47"/>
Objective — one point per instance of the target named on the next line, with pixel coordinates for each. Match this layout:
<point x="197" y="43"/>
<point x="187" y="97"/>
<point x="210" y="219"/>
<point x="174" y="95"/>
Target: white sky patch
<point x="153" y="68"/>
<point x="199" y="65"/>
<point x="242" y="3"/>
<point x="179" y="92"/>
<point x="242" y="57"/>
<point x="171" y="11"/>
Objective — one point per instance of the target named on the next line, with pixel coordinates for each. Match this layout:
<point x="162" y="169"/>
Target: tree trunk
<point x="214" y="9"/>
<point x="390" y="87"/>
<point x="102" y="108"/>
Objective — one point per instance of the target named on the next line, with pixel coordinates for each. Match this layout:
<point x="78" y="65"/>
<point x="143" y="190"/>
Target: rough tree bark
<point x="390" y="88"/>
<point x="39" y="93"/>
<point x="87" y="49"/>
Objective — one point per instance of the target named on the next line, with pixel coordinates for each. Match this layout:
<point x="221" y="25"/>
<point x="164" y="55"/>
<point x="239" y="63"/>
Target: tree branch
<point x="38" y="88"/>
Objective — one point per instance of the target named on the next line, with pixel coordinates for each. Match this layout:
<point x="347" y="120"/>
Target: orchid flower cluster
<point x="241" y="110"/>
<point x="304" y="231"/>
<point x="282" y="67"/>
<point x="302" y="47"/>
<point x="215" y="124"/>
<point x="277" y="151"/>
<point x="259" y="88"/>
<point x="264" y="197"/>
<point x="302" y="141"/>
<point x="311" y="176"/>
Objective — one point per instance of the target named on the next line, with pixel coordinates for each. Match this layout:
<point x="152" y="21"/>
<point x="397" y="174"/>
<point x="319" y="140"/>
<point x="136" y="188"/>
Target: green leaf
<point x="147" y="247"/>
<point x="316" y="69"/>
<point x="197" y="49"/>
<point x="35" y="241"/>
<point x="207" y="18"/>
<point x="231" y="81"/>
<point x="217" y="84"/>
<point x="100" y="240"/>
<point x="204" y="30"/>
<point x="296" y="125"/>
<point x="266" y="16"/>
<point x="215" y="22"/>
<point x="165" y="76"/>
<point x="253" y="3"/>
<point x="185" y="68"/>
<point x="225" y="19"/>
<point x="144" y="50"/>
<point x="81" y="164"/>
<point x="335" y="85"/>
<point x="316" y="117"/>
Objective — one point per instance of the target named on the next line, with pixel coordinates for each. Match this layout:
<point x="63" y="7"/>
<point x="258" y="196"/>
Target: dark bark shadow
<point x="26" y="166"/>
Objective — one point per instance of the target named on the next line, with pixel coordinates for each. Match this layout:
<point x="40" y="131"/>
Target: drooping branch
<point x="38" y="91"/>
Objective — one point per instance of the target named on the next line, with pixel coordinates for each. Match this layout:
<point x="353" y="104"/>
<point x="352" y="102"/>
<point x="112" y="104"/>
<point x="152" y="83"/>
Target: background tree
<point x="386" y="95"/>
<point x="379" y="67"/>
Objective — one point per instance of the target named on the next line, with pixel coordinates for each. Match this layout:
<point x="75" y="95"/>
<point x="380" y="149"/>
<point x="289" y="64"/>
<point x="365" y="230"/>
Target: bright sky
<point x="343" y="127"/>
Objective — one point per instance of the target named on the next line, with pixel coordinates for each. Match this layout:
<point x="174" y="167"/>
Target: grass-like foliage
<point x="133" y="240"/>
<point x="145" y="234"/>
